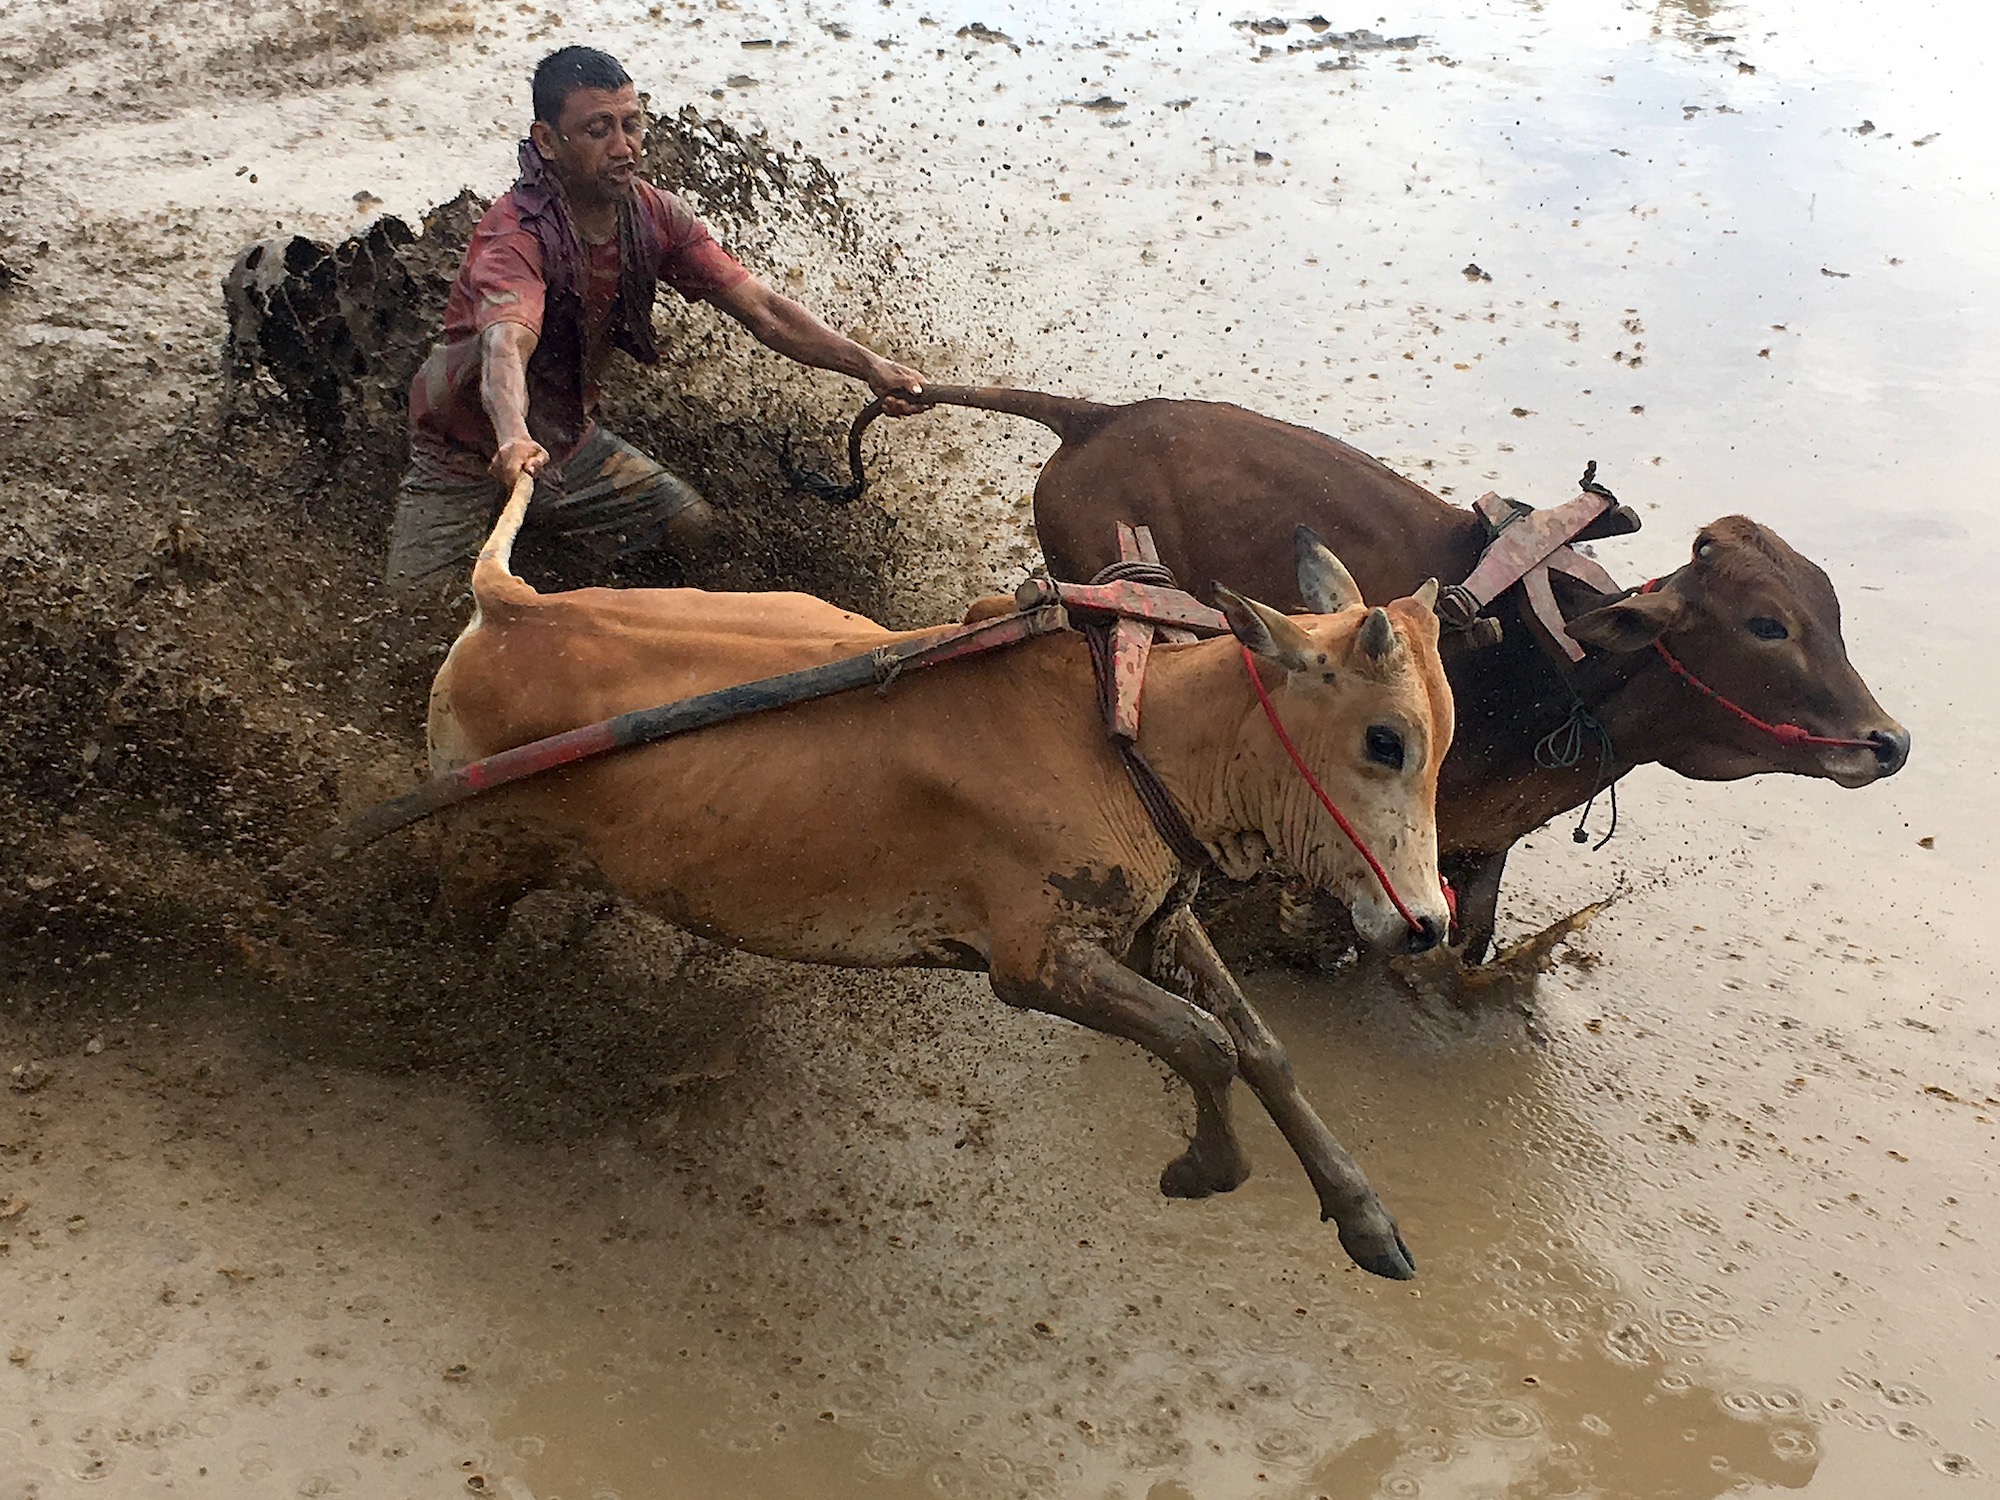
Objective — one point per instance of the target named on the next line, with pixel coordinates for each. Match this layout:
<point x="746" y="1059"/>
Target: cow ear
<point x="1266" y="632"/>
<point x="1632" y="624"/>
<point x="1324" y="582"/>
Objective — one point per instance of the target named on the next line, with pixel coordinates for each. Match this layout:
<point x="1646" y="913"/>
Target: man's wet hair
<point x="562" y="73"/>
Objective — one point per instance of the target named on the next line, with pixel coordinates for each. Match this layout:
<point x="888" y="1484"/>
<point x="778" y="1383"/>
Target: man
<point x="562" y="270"/>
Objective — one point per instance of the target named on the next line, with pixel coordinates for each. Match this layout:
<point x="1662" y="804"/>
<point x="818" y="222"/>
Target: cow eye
<point x="1765" y="628"/>
<point x="1385" y="747"/>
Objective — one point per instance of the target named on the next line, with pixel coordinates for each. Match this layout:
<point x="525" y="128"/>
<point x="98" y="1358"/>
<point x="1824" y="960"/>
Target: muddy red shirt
<point x="501" y="281"/>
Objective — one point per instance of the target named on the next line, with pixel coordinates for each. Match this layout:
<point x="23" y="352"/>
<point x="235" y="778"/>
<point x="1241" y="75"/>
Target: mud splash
<point x="637" y="1215"/>
<point x="326" y="337"/>
<point x="201" y="672"/>
<point x="208" y="650"/>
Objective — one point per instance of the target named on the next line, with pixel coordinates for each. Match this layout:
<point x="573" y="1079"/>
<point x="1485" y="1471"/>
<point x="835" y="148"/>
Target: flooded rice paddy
<point x="1718" y="1224"/>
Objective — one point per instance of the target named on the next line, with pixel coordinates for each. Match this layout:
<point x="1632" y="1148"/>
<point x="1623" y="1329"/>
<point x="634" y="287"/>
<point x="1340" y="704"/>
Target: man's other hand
<point x="515" y="458"/>
<point x="893" y="381"/>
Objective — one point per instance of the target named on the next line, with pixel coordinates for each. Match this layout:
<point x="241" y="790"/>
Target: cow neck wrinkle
<point x="1184" y="683"/>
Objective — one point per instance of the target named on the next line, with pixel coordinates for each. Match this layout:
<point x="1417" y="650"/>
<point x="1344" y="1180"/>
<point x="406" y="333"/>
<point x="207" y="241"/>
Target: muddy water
<point x="1722" y="1227"/>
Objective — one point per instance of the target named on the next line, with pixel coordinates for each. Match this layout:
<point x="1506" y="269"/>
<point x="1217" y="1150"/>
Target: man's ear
<point x="543" y="134"/>
<point x="1632" y="624"/>
<point x="1266" y="632"/>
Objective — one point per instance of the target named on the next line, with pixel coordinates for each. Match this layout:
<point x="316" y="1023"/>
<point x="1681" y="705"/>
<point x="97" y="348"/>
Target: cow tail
<point x="1067" y="417"/>
<point x="493" y="580"/>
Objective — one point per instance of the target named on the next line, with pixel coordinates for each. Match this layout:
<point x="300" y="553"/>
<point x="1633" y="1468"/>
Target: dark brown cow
<point x="1224" y="489"/>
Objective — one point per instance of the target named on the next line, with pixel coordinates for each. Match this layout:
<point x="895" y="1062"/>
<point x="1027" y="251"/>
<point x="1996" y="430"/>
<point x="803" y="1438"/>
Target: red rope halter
<point x="1790" y="735"/>
<point x="1382" y="875"/>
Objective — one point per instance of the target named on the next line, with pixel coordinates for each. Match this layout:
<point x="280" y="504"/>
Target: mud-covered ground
<point x="301" y="1193"/>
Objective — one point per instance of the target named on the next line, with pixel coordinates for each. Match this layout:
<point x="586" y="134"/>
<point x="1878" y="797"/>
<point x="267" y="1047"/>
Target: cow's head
<point x="1363" y="696"/>
<point x="1760" y="625"/>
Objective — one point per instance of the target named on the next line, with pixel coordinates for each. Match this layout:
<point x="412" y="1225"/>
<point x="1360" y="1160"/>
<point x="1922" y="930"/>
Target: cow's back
<point x="833" y="830"/>
<point x="1223" y="489"/>
<point x="578" y="658"/>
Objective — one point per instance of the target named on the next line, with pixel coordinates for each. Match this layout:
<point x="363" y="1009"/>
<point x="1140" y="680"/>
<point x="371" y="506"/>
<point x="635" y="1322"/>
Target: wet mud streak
<point x="1509" y="976"/>
<point x="328" y="336"/>
<point x="270" y="47"/>
<point x="1093" y="890"/>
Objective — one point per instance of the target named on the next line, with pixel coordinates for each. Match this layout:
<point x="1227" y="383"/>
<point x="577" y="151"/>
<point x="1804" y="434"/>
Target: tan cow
<point x="974" y="815"/>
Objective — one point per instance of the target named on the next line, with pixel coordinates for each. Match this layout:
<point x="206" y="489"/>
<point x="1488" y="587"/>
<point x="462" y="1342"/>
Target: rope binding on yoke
<point x="1132" y="570"/>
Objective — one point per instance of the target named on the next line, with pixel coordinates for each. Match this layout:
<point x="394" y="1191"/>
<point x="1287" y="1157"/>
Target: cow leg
<point x="1081" y="982"/>
<point x="1476" y="878"/>
<point x="1367" y="1233"/>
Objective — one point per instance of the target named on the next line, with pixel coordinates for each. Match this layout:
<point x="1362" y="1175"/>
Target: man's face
<point x="594" y="147"/>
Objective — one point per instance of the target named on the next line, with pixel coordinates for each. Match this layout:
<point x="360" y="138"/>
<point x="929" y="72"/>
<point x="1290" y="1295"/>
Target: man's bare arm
<point x="503" y="390"/>
<point x="779" y="323"/>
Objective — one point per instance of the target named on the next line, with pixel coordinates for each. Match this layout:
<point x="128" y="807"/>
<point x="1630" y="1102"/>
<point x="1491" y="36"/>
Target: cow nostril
<point x="1892" y="749"/>
<point x="1426" y="936"/>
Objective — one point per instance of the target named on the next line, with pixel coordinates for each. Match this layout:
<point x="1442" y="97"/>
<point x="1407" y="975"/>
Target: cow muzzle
<point x="1878" y="753"/>
<point x="1382" y="926"/>
<point x="1892" y="749"/>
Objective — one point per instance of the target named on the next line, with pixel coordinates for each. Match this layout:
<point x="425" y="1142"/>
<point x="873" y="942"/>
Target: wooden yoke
<point x="1135" y="610"/>
<point x="1139" y="611"/>
<point x="1526" y="545"/>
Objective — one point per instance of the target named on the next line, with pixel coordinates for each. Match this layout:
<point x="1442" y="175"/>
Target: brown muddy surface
<point x="304" y="1194"/>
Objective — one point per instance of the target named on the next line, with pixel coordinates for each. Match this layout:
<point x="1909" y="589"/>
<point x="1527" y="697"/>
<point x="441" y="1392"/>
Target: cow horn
<point x="1378" y="636"/>
<point x="1324" y="582"/>
<point x="1265" y="631"/>
<point x="1426" y="596"/>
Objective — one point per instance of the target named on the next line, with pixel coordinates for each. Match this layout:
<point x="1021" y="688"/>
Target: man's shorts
<point x="614" y="501"/>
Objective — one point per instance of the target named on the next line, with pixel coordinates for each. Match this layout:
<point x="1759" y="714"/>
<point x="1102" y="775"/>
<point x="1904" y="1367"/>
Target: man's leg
<point x="616" y="501"/>
<point x="440" y="522"/>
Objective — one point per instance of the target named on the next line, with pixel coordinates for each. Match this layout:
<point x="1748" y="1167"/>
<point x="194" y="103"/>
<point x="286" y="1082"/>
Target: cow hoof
<point x="1379" y="1250"/>
<point x="1194" y="1174"/>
